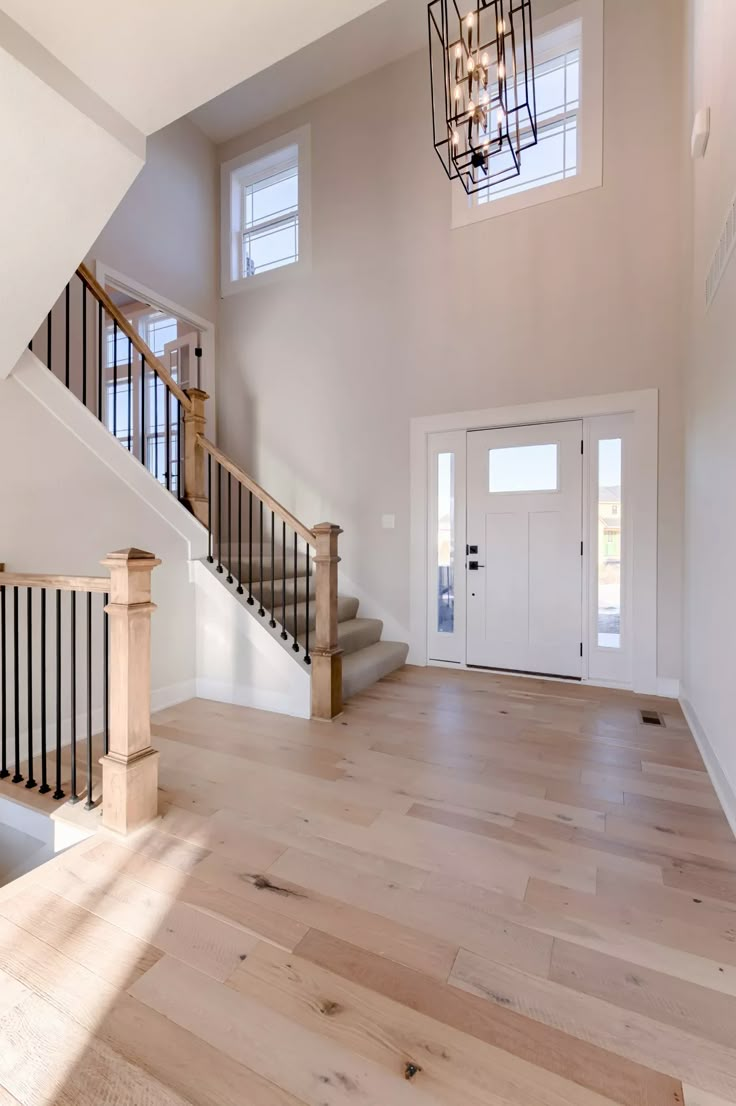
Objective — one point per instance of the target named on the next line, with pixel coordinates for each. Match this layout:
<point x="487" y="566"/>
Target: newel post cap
<point x="327" y="528"/>
<point x="131" y="558"/>
<point x="196" y="393"/>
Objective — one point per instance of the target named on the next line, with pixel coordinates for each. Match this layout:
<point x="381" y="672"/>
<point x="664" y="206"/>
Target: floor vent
<point x="726" y="243"/>
<point x="651" y="718"/>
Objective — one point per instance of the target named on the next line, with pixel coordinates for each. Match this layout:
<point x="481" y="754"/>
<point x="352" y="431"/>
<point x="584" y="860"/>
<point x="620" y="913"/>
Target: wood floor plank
<point x="450" y="1065"/>
<point x="624" y="1032"/>
<point x="586" y="1065"/>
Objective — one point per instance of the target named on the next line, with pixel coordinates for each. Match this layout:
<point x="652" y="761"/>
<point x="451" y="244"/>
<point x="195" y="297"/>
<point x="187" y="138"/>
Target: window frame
<point x="234" y="175"/>
<point x="553" y="39"/>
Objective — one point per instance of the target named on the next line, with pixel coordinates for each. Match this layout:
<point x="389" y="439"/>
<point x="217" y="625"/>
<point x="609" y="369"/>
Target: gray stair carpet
<point x="366" y="658"/>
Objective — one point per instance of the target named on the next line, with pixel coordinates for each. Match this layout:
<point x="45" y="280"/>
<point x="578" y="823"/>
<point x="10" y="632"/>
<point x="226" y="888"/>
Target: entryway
<point x="535" y="547"/>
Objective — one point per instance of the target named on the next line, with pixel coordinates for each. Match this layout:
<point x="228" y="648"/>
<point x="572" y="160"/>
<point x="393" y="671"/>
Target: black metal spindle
<point x="58" y="793"/>
<point x="250" y="549"/>
<point x="44" y="768"/>
<point x="307" y="658"/>
<point x="240" y="538"/>
<point x="198" y="355"/>
<point x="30" y="782"/>
<point x="295" y="646"/>
<point x="74" y="797"/>
<point x="106" y="672"/>
<point x="100" y="344"/>
<point x="3" y="674"/>
<point x="16" y="690"/>
<point x="88" y="804"/>
<point x="167" y="397"/>
<point x="66" y="340"/>
<point x="272" y="620"/>
<point x="219" y="516"/>
<point x="155" y="421"/>
<point x="48" y="340"/>
<point x="115" y="377"/>
<point x="261" y="609"/>
<point x="143" y="412"/>
<point x="130" y="395"/>
<point x="84" y="343"/>
<point x="180" y="424"/>
<point x="284" y="633"/>
<point x="229" y="528"/>
<point x="210" y="546"/>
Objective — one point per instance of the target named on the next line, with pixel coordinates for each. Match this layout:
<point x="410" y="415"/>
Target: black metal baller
<point x="17" y="778"/>
<point x="84" y="343"/>
<point x="58" y="793"/>
<point x="106" y="672"/>
<point x="261" y="609"/>
<point x="100" y="341"/>
<point x="219" y="516"/>
<point x="250" y="549"/>
<point x="66" y="340"/>
<point x="272" y="604"/>
<point x="229" y="528"/>
<point x="74" y="797"/>
<point x="44" y="788"/>
<point x="30" y="782"/>
<point x="240" y="539"/>
<point x="210" y="547"/>
<point x="284" y="634"/>
<point x="88" y="805"/>
<point x="295" y="646"/>
<point x="3" y="678"/>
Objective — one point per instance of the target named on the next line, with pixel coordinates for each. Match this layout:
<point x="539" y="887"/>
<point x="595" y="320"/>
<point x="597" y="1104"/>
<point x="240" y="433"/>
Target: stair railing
<point x="75" y="680"/>
<point x="90" y="345"/>
<point x="269" y="556"/>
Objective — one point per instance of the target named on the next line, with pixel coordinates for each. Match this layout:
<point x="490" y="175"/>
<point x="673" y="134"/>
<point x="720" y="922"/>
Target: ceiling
<point x="384" y="34"/>
<point x="156" y="61"/>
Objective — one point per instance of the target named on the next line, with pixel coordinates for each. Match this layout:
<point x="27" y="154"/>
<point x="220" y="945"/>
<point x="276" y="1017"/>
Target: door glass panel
<point x="523" y="468"/>
<point x="446" y="543"/>
<point x="609" y="543"/>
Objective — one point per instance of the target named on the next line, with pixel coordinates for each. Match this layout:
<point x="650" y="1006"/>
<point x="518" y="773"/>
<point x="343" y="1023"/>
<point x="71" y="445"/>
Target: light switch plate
<point x="388" y="522"/>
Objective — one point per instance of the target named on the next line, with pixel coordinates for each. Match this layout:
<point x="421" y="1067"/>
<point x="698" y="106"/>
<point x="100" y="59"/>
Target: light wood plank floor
<point x="467" y="890"/>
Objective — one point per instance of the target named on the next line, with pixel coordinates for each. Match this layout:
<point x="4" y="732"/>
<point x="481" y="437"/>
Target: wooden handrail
<point x="146" y="353"/>
<point x="260" y="493"/>
<point x="99" y="584"/>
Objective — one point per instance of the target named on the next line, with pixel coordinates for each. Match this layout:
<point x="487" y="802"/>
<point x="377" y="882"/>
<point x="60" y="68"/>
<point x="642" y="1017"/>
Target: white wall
<point x="165" y="233"/>
<point x="710" y="404"/>
<point x="402" y="316"/>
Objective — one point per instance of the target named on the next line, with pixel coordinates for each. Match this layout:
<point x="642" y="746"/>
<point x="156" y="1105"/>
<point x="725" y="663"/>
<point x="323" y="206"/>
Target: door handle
<point x="473" y="566"/>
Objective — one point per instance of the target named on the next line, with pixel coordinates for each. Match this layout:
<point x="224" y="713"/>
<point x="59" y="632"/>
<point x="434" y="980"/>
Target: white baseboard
<point x="721" y="783"/>
<point x="171" y="696"/>
<point x="243" y="696"/>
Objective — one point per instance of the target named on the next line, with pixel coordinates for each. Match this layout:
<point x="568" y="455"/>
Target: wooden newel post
<point x="130" y="768"/>
<point x="326" y="653"/>
<point x="195" y="476"/>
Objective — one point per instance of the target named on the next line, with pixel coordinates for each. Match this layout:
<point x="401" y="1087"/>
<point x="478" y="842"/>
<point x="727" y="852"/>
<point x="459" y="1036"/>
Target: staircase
<point x="281" y="572"/>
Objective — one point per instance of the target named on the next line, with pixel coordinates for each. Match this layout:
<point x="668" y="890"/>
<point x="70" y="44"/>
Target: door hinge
<point x="581" y="648"/>
<point x="582" y="446"/>
<point x="581" y="549"/>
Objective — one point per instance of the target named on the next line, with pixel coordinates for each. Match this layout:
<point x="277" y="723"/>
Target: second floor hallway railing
<point x="75" y="676"/>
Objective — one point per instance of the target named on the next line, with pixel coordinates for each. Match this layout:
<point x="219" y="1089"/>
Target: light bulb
<point x="457" y="92"/>
<point x="455" y="138"/>
<point x="471" y="108"/>
<point x="458" y="50"/>
<point x="484" y="97"/>
<point x="501" y="69"/>
<point x="471" y="65"/>
<point x="486" y="61"/>
<point x="502" y="26"/>
<point x="469" y="20"/>
<point x="501" y="117"/>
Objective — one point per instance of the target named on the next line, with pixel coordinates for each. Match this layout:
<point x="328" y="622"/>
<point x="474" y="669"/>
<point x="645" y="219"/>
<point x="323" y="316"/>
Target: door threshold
<point x="522" y="672"/>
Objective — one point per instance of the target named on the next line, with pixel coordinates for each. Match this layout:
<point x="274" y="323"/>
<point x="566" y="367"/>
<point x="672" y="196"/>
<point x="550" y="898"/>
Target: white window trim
<point x="230" y="214"/>
<point x="590" y="122"/>
<point x="641" y="513"/>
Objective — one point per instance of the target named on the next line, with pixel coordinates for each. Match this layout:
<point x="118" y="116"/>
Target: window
<point x="523" y="468"/>
<point x="569" y="92"/>
<point x="265" y="211"/>
<point x="609" y="543"/>
<point x="445" y="543"/>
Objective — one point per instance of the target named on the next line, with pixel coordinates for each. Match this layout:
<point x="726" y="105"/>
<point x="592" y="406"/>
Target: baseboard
<point x="244" y="696"/>
<point x="721" y="783"/>
<point x="171" y="696"/>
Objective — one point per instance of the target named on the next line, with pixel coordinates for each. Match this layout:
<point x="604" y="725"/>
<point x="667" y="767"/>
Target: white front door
<point x="524" y="562"/>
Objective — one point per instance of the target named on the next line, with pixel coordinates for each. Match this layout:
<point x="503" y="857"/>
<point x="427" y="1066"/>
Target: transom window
<point x="267" y="208"/>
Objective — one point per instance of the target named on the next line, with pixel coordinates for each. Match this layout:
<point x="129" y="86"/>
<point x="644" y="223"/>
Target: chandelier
<point x="482" y="76"/>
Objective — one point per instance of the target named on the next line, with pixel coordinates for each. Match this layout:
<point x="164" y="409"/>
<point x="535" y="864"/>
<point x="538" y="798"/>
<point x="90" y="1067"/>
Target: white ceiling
<point x="386" y="33"/>
<point x="156" y="60"/>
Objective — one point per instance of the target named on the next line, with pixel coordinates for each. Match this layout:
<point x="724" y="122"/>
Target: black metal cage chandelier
<point x="482" y="74"/>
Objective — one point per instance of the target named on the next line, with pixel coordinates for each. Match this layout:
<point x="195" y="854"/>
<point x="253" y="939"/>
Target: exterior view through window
<point x="609" y="543"/>
<point x="446" y="543"/>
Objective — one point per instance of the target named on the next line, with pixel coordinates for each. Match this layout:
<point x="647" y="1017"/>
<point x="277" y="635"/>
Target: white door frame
<point x="641" y="513"/>
<point x="108" y="276"/>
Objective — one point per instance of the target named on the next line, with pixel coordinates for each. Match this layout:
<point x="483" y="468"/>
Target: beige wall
<point x="165" y="233"/>
<point x="402" y="316"/>
<point x="710" y="401"/>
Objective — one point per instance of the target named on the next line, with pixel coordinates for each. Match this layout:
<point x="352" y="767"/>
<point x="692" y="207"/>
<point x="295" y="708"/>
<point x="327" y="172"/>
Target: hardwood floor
<point x="467" y="890"/>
